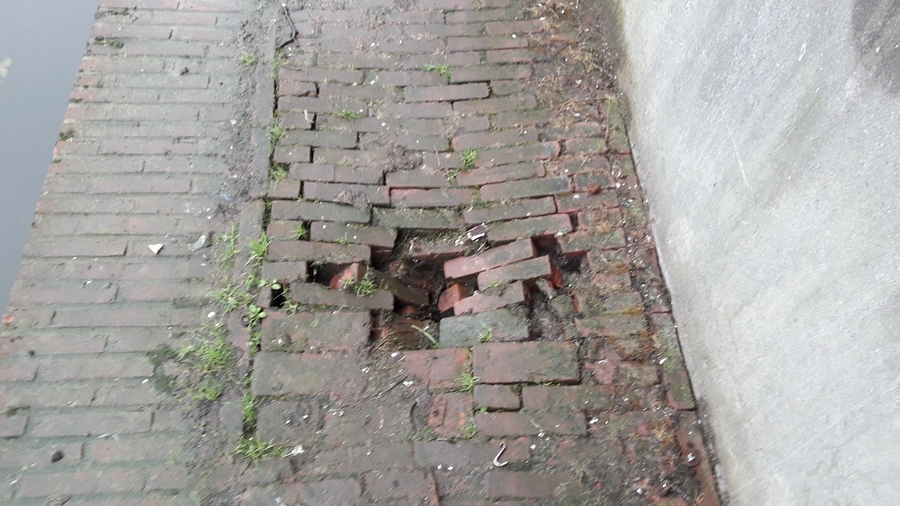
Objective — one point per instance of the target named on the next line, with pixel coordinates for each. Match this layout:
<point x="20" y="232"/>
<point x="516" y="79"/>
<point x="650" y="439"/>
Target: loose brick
<point x="446" y="93"/>
<point x="490" y="259"/>
<point x="495" y="298"/>
<point x="528" y="485"/>
<point x="524" y="189"/>
<point x="468" y="330"/>
<point x="318" y="211"/>
<point x="542" y="226"/>
<point x="532" y="362"/>
<point x="291" y="251"/>
<point x="497" y="397"/>
<point x="519" y="209"/>
<point x="526" y="270"/>
<point x="453" y="294"/>
<point x="307" y="374"/>
<point x="333" y="232"/>
<point x="315" y="294"/>
<point x="431" y="198"/>
<point x="436" y="368"/>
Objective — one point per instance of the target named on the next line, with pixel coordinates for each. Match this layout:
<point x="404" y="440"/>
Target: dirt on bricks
<point x="404" y="259"/>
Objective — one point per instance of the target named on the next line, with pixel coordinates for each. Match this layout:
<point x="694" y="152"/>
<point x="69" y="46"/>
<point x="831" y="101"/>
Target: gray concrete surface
<point x="767" y="136"/>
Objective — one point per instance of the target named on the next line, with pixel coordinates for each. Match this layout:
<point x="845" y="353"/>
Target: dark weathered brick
<point x="353" y="194"/>
<point x="315" y="295"/>
<point x="526" y="423"/>
<point x="415" y="485"/>
<point x="80" y="483"/>
<point x="580" y="242"/>
<point x="497" y="397"/>
<point x="446" y="93"/>
<point x="416" y="179"/>
<point x="524" y="189"/>
<point x="307" y="374"/>
<point x="509" y="211"/>
<point x="448" y="197"/>
<point x="84" y="424"/>
<point x="347" y="331"/>
<point x="320" y="75"/>
<point x="486" y="175"/>
<point x="482" y="43"/>
<point x="541" y="226"/>
<point x="353" y="234"/>
<point x="416" y="219"/>
<point x="497" y="325"/>
<point x="436" y="368"/>
<point x="512" y="484"/>
<point x="532" y="362"/>
<point x="491" y="73"/>
<point x="281" y="251"/>
<point x="318" y="211"/>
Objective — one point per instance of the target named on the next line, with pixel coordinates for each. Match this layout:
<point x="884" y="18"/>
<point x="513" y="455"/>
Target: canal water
<point x="41" y="46"/>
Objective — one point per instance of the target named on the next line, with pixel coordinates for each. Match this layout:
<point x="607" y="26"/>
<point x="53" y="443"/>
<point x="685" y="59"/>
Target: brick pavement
<point x="462" y="303"/>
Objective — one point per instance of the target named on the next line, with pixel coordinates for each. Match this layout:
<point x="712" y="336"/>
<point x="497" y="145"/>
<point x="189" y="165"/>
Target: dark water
<point x="43" y="41"/>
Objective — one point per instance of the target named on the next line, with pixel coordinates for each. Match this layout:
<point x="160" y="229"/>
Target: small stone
<point x="201" y="242"/>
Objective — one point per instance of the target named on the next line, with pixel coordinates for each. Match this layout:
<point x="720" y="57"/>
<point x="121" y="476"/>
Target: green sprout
<point x="434" y="342"/>
<point x="467" y="381"/>
<point x="349" y="114"/>
<point x="259" y="249"/>
<point x="443" y="70"/>
<point x="468" y="158"/>
<point x="363" y="288"/>
<point x="255" y="449"/>
<point x="487" y="333"/>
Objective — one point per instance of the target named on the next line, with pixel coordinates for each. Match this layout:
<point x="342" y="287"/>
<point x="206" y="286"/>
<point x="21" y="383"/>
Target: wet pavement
<point x="345" y="253"/>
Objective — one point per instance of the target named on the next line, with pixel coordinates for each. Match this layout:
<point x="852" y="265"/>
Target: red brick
<point x="315" y="294"/>
<point x="496" y="105"/>
<point x="524" y="189"/>
<point x="497" y="397"/>
<point x="449" y="414"/>
<point x="508" y="27"/>
<point x="532" y="362"/>
<point x="307" y="374"/>
<point x="526" y="423"/>
<point x="436" y="368"/>
<point x="417" y="486"/>
<point x="495" y="298"/>
<point x="518" y="209"/>
<point x="431" y="198"/>
<point x="12" y="426"/>
<point x="482" y="43"/>
<point x="446" y="93"/>
<point x="526" y="270"/>
<point x="91" y="423"/>
<point x="80" y="483"/>
<point x="487" y="175"/>
<point x="453" y="294"/>
<point x="490" y="259"/>
<point x="541" y="226"/>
